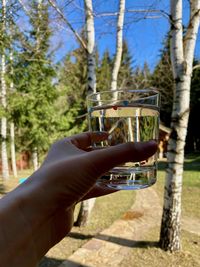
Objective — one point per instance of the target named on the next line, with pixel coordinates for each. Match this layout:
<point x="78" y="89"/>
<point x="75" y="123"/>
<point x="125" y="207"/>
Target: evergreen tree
<point x="162" y="79"/>
<point x="33" y="108"/>
<point x="141" y="77"/>
<point x="104" y="73"/>
<point x="125" y="71"/>
<point x="124" y="75"/>
<point x="73" y="82"/>
<point x="193" y="134"/>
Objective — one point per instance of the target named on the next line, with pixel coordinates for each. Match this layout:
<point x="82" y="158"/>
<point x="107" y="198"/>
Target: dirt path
<point x="113" y="244"/>
<point x="191" y="225"/>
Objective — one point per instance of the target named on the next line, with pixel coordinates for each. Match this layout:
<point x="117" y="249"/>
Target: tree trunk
<point x="182" y="54"/>
<point x="87" y="205"/>
<point x="35" y="159"/>
<point x="85" y="212"/>
<point x="91" y="65"/>
<point x="119" y="45"/>
<point x="12" y="126"/>
<point x="38" y="40"/>
<point x="4" y="156"/>
<point x="12" y="148"/>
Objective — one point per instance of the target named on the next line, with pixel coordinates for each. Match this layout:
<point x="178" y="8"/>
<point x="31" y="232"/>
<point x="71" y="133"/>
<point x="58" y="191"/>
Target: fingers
<point x="98" y="191"/>
<point x="105" y="159"/>
<point x="84" y="140"/>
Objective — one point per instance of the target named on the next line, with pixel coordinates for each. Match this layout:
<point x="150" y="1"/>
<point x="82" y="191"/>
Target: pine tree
<point x="141" y="77"/>
<point x="33" y="107"/>
<point x="73" y="83"/>
<point x="193" y="134"/>
<point x="104" y="72"/>
<point x="162" y="79"/>
<point x="125" y="70"/>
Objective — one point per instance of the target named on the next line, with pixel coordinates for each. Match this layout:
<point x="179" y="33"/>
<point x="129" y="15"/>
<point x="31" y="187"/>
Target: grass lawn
<point x="150" y="255"/>
<point x="191" y="186"/>
<point x="109" y="208"/>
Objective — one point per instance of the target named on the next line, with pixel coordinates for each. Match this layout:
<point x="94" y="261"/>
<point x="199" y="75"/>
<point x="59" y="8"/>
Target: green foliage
<point x="125" y="71"/>
<point x="162" y="79"/>
<point x="31" y="105"/>
<point x="73" y="81"/>
<point x="141" y="78"/>
<point x="104" y="73"/>
<point x="193" y="135"/>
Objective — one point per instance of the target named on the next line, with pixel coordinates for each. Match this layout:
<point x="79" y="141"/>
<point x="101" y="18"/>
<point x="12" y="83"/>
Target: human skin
<point x="39" y="212"/>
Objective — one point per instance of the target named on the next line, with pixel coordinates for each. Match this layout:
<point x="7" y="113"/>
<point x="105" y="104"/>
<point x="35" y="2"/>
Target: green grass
<point x="190" y="189"/>
<point x="150" y="255"/>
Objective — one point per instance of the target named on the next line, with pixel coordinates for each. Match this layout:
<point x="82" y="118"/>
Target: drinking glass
<point x="127" y="116"/>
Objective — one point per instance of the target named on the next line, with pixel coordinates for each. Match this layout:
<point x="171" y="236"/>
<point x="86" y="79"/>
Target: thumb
<point x="105" y="159"/>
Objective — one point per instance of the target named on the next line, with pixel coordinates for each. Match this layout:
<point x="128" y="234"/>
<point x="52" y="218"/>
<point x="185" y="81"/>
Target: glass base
<point x="134" y="178"/>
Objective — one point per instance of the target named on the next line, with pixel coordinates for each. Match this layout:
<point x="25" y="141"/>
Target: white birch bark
<point x="87" y="205"/>
<point x="12" y="129"/>
<point x="90" y="32"/>
<point x="35" y="159"/>
<point x="38" y="41"/>
<point x="4" y="156"/>
<point x="119" y="45"/>
<point x="182" y="54"/>
<point x="12" y="126"/>
<point x="12" y="148"/>
<point x="37" y="48"/>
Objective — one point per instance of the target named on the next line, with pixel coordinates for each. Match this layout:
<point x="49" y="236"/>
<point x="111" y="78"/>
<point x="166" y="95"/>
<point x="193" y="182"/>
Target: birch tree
<point x="89" y="46"/>
<point x="87" y="205"/>
<point x="12" y="127"/>
<point x="90" y="33"/>
<point x="182" y="54"/>
<point x="119" y="45"/>
<point x="37" y="50"/>
<point x="11" y="87"/>
<point x="4" y="156"/>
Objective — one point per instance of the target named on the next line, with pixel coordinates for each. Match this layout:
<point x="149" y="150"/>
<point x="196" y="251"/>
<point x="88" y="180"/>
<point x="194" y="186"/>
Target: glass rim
<point x="91" y="97"/>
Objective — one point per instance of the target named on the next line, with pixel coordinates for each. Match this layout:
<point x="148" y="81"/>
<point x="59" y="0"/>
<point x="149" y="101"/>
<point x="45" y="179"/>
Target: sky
<point x="144" y="36"/>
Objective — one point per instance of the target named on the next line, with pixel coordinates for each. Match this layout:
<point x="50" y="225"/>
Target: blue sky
<point x="144" y="36"/>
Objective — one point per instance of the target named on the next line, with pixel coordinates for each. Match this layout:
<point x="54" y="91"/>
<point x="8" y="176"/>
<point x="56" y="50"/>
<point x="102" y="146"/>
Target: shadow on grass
<point x="192" y="163"/>
<point x="79" y="236"/>
<point x="127" y="242"/>
<point x="51" y="262"/>
<point x="117" y="240"/>
<point x="2" y="189"/>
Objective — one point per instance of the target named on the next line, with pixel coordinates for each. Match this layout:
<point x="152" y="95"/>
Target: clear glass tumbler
<point x="128" y="116"/>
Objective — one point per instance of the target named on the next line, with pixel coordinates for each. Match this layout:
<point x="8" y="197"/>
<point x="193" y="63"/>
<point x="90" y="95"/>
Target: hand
<point x="47" y="199"/>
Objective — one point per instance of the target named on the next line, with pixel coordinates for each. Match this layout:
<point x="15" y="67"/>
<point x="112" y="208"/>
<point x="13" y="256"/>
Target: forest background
<point x="44" y="68"/>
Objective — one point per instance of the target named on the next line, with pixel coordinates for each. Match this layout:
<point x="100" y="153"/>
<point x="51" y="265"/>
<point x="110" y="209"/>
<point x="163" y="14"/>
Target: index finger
<point x="85" y="140"/>
<point x="105" y="159"/>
